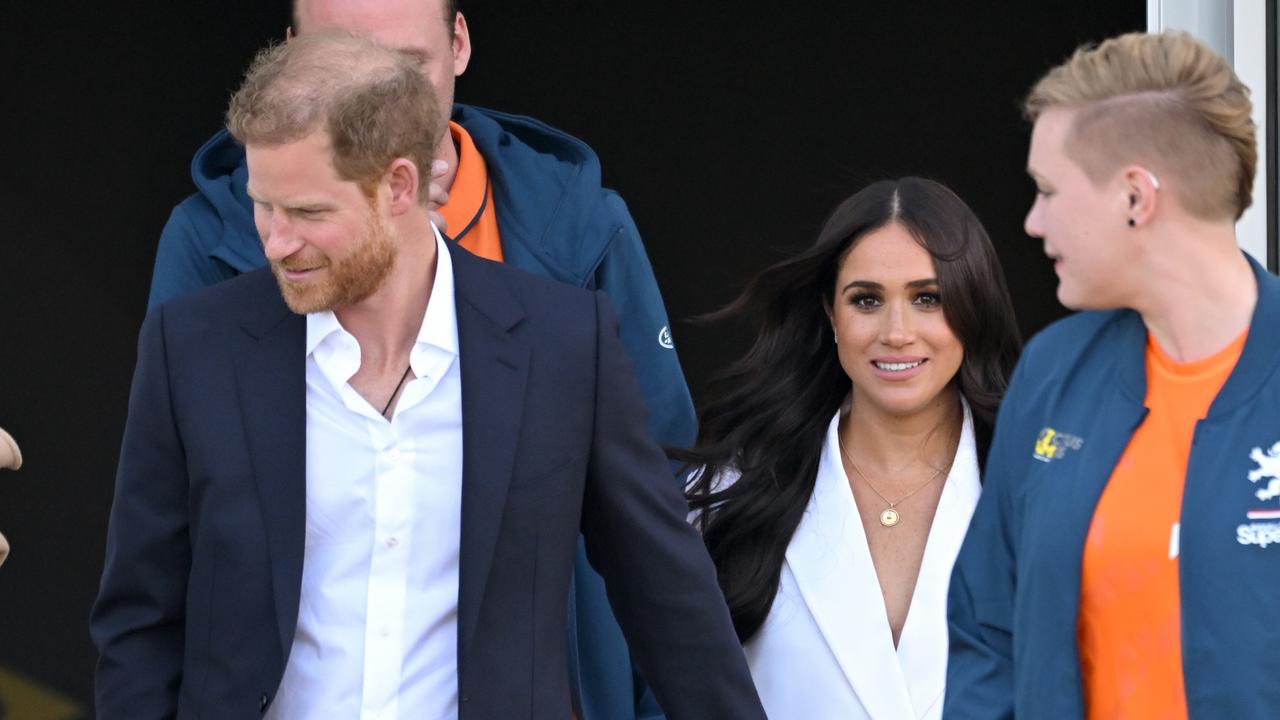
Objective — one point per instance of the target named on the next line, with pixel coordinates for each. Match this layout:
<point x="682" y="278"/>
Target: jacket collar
<point x="547" y="194"/>
<point x="831" y="562"/>
<point x="271" y="379"/>
<point x="220" y="174"/>
<point x="1258" y="359"/>
<point x="494" y="365"/>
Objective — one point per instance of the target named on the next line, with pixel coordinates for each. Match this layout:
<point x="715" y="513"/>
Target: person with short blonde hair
<point x="1164" y="101"/>
<point x="1120" y="559"/>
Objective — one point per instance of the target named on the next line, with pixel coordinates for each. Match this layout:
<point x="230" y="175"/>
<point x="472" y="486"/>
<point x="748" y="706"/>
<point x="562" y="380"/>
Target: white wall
<point x="1237" y="30"/>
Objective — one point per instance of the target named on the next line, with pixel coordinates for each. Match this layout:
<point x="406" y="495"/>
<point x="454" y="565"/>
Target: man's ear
<point x="461" y="45"/>
<point x="402" y="180"/>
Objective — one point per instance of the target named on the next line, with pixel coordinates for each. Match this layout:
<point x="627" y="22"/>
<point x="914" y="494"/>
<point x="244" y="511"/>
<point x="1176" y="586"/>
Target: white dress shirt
<point x="377" y="621"/>
<point x="825" y="650"/>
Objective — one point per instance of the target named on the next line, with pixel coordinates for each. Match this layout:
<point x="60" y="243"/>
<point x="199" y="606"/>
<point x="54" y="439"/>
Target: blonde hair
<point x="372" y="101"/>
<point x="1166" y="102"/>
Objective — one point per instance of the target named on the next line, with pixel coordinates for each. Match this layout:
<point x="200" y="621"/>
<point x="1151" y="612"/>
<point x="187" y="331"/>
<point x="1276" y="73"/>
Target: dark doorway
<point x="730" y="132"/>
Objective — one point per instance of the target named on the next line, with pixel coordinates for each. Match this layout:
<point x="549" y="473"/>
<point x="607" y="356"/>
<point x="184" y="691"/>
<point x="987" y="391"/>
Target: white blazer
<point x="825" y="651"/>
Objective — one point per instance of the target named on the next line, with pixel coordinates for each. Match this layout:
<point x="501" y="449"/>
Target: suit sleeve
<point x="980" y="599"/>
<point x="183" y="264"/>
<point x="138" y="619"/>
<point x="625" y="275"/>
<point x="660" y="581"/>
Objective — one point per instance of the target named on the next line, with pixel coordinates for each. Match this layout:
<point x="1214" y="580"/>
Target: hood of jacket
<point x="552" y="210"/>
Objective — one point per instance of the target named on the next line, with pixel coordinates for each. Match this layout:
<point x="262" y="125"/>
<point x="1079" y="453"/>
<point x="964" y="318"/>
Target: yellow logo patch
<point x="1052" y="444"/>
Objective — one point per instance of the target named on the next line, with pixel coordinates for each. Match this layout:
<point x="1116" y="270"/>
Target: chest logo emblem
<point x="1267" y="477"/>
<point x="1268" y="463"/>
<point x="1053" y="444"/>
<point x="665" y="339"/>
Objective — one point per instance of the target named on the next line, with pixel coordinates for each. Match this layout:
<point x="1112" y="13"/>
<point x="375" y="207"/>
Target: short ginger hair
<point x="1164" y="101"/>
<point x="372" y="101"/>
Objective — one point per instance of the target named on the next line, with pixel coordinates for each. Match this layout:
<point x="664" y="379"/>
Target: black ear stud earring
<point x="1132" y="223"/>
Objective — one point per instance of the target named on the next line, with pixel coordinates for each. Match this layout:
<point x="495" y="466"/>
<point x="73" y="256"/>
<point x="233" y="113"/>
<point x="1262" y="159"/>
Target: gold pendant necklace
<point x="889" y="516"/>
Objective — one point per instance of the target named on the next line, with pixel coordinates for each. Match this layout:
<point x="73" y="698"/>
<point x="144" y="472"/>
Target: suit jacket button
<point x="262" y="702"/>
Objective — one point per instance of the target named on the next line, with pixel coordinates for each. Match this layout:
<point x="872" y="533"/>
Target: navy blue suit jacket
<point x="200" y="593"/>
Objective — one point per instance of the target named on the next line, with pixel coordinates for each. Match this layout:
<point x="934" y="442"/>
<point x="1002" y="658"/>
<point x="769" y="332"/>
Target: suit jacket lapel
<point x="831" y="562"/>
<point x="271" y="378"/>
<point x="494" y="368"/>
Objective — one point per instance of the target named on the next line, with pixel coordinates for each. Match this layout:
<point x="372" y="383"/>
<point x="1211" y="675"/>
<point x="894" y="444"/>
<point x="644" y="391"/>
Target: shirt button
<point x="393" y="454"/>
<point x="392" y="542"/>
<point x="384" y="632"/>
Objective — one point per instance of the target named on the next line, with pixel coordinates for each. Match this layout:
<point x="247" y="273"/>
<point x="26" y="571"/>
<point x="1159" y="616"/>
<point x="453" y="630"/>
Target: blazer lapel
<point x="271" y="379"/>
<point x="922" y="649"/>
<point x="831" y="562"/>
<point x="494" y="368"/>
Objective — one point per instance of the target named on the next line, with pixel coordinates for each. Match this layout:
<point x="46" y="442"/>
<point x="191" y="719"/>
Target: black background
<point x="731" y="132"/>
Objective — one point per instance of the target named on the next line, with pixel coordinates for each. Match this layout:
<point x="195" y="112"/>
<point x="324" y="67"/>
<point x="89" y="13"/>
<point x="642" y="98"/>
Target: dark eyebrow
<point x="869" y="285"/>
<point x="864" y="284"/>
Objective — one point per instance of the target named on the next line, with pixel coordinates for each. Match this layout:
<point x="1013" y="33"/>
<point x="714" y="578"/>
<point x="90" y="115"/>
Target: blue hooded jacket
<point x="555" y="220"/>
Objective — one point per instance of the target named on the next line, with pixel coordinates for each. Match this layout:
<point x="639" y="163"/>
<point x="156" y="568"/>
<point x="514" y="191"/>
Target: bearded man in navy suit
<point x="352" y="484"/>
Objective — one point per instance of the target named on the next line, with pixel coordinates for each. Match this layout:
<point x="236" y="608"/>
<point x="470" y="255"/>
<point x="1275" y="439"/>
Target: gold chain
<point x="889" y="516"/>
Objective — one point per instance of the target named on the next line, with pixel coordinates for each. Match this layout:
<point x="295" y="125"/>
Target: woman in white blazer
<point x="839" y="464"/>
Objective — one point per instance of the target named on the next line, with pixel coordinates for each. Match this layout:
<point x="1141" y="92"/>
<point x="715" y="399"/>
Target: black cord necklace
<point x="393" y="392"/>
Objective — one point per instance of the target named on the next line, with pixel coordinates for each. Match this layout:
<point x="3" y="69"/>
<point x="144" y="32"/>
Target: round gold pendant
<point x="889" y="517"/>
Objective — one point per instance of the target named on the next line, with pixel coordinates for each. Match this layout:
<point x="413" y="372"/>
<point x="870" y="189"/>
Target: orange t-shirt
<point x="469" y="214"/>
<point x="1129" y="632"/>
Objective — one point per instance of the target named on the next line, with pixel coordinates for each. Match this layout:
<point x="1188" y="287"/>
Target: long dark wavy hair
<point x="771" y="408"/>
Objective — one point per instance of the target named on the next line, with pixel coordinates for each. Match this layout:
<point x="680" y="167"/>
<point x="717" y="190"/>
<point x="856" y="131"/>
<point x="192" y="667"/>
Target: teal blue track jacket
<point x="1075" y="399"/>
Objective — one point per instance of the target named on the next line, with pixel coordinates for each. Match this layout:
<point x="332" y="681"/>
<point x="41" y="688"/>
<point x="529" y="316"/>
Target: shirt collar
<point x="320" y="325"/>
<point x="440" y="323"/>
